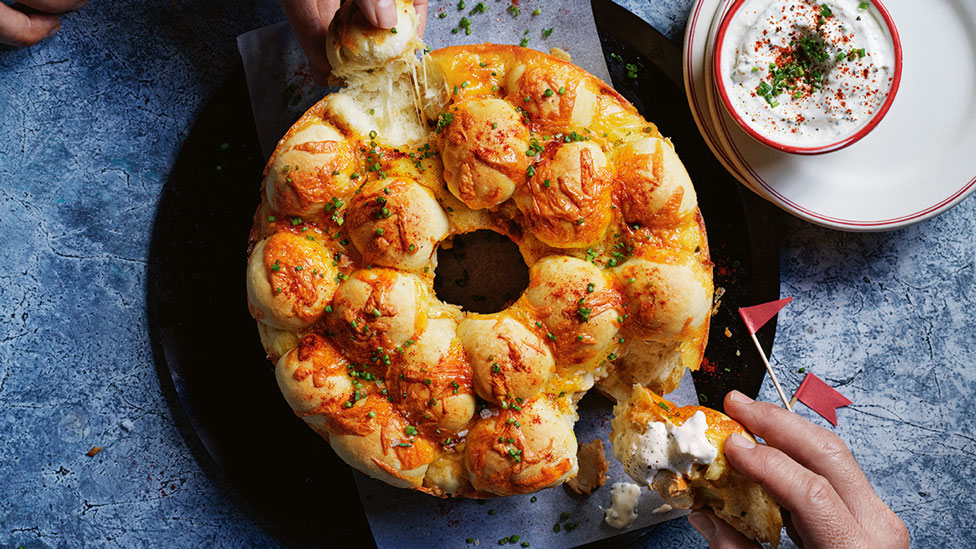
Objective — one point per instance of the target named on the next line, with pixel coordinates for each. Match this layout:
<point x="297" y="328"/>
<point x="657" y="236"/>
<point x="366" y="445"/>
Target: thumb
<point x="717" y="532"/>
<point x="379" y="13"/>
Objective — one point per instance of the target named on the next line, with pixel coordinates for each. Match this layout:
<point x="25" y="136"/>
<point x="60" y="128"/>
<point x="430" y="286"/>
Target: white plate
<point x="697" y="76"/>
<point x="713" y="107"/>
<point x="919" y="162"/>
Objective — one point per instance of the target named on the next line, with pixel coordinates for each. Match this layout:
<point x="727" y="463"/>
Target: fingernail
<point x="736" y="396"/>
<point x="54" y="30"/>
<point x="703" y="523"/>
<point x="740" y="441"/>
<point x="386" y="14"/>
<point x="80" y="4"/>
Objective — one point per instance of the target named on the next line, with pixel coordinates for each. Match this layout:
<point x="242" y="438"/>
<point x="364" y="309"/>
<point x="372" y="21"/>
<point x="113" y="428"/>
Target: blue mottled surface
<point x="91" y="122"/>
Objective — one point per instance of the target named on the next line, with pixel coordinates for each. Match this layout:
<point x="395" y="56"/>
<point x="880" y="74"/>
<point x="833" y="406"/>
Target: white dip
<point x="663" y="446"/>
<point x="623" y="502"/>
<point x="805" y="73"/>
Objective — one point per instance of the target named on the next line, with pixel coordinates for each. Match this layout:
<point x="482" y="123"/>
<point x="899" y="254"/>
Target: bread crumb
<point x="560" y="53"/>
<point x="719" y="292"/>
<point x="94" y="451"/>
<point x="662" y="509"/>
<point x="728" y="333"/>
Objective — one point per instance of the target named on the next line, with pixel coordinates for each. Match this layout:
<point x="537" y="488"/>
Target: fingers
<point x="421" y="7"/>
<point x="20" y="29"/>
<point x="718" y="533"/>
<point x="379" y="13"/>
<point x="813" y="447"/>
<point x="818" y="513"/>
<point x="310" y="20"/>
<point x="54" y="6"/>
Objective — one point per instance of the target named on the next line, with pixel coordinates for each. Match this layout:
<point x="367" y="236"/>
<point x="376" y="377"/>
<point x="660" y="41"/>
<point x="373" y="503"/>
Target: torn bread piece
<point x="678" y="453"/>
<point x="385" y="87"/>
<point x="592" y="468"/>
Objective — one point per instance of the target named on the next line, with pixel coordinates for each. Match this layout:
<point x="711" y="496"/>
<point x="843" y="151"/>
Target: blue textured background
<point x="91" y="122"/>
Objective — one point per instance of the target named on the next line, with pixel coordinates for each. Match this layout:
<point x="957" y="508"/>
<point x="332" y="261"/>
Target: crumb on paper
<point x="665" y="508"/>
<point x="94" y="451"/>
<point x="128" y="425"/>
<point x="592" y="468"/>
<point x="623" y="505"/>
<point x="560" y="53"/>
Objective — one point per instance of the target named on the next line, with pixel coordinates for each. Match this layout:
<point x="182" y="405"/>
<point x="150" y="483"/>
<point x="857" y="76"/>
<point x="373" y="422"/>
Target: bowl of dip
<point x="804" y="76"/>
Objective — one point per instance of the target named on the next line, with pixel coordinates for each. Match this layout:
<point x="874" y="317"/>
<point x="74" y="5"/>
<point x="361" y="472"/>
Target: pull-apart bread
<point x="362" y="190"/>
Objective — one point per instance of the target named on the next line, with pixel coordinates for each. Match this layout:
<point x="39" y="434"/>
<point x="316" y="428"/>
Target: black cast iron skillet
<point x="213" y="370"/>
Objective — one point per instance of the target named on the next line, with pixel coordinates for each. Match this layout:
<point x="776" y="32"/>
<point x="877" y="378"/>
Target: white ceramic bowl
<point x="833" y="144"/>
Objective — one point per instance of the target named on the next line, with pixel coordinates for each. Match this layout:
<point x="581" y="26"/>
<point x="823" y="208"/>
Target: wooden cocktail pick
<point x="754" y="318"/>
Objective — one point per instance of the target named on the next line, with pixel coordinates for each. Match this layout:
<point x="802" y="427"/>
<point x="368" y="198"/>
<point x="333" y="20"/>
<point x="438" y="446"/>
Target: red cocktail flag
<point x="758" y="315"/>
<point x="821" y="398"/>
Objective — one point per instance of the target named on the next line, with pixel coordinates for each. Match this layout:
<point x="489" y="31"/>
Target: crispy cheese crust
<point x="734" y="498"/>
<point x="417" y="392"/>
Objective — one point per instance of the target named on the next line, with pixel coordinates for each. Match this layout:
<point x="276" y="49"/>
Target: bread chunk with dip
<point x="678" y="452"/>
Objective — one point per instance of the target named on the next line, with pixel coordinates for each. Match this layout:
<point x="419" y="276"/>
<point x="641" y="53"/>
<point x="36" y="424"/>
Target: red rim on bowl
<point x="820" y="149"/>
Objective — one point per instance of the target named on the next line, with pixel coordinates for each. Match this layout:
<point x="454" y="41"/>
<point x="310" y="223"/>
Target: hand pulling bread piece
<point x="678" y="453"/>
<point x="359" y="195"/>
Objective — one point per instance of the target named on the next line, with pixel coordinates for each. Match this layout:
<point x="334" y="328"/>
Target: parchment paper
<point x="281" y="89"/>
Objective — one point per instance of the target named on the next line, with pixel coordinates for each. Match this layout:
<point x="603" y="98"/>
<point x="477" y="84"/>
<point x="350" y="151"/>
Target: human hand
<point x="30" y="21"/>
<point x="310" y="20"/>
<point x="810" y="472"/>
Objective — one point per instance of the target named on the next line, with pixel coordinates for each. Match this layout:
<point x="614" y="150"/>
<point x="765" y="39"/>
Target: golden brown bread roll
<point x="484" y="152"/>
